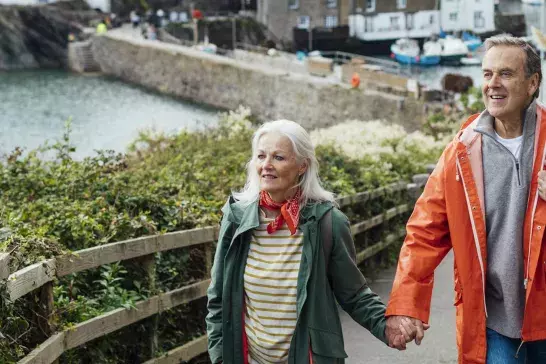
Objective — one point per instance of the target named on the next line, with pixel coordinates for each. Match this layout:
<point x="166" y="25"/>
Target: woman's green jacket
<point x="318" y="322"/>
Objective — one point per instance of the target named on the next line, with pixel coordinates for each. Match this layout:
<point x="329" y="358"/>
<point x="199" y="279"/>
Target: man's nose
<point x="494" y="81"/>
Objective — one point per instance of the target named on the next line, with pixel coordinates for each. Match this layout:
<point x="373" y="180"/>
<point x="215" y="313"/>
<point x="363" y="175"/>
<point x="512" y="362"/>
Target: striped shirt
<point x="270" y="282"/>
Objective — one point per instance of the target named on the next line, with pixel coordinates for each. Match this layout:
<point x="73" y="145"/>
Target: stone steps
<point x="81" y="58"/>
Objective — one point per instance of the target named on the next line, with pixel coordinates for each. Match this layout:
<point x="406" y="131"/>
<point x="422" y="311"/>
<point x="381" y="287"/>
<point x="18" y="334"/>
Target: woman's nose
<point x="267" y="163"/>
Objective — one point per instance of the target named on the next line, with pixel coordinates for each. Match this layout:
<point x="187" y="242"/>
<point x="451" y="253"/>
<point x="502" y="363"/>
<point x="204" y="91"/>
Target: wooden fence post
<point x="208" y="259"/>
<point x="4" y="265"/>
<point x="148" y="265"/>
<point x="45" y="312"/>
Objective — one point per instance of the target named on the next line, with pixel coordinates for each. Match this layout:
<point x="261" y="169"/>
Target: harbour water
<point x="105" y="113"/>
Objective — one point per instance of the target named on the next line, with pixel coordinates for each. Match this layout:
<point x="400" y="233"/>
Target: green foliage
<point x="443" y="125"/>
<point x="52" y="204"/>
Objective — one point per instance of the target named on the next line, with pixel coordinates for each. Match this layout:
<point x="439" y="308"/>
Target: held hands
<point x="401" y="330"/>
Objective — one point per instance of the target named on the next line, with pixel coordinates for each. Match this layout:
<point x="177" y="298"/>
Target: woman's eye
<point x="261" y="156"/>
<point x="279" y="158"/>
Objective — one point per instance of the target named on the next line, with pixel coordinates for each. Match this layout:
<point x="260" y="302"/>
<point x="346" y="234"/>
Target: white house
<point x="383" y="26"/>
<point x="377" y="20"/>
<point x="475" y="15"/>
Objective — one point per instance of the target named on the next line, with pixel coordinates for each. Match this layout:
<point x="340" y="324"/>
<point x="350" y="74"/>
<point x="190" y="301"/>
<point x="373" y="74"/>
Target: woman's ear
<point x="303" y="168"/>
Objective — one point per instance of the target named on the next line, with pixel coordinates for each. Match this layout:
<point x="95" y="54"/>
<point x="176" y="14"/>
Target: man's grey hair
<point x="532" y="62"/>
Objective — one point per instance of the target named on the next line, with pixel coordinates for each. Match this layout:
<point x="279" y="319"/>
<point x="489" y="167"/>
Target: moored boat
<point x="407" y="51"/>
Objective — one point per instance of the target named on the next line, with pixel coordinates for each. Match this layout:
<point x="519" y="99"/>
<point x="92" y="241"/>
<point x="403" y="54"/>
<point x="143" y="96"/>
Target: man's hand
<point x="401" y="330"/>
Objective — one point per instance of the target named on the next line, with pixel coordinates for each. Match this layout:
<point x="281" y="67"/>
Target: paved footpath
<point x="439" y="345"/>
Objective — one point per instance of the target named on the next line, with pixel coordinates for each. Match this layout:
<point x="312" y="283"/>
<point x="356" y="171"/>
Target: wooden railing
<point x="41" y="276"/>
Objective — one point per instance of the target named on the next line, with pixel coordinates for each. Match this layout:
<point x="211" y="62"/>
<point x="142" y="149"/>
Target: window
<point x="331" y="4"/>
<point x="370" y="6"/>
<point x="394" y="23"/>
<point x="304" y="21"/>
<point x="479" y="20"/>
<point x="409" y="21"/>
<point x="293" y="4"/>
<point x="330" y="21"/>
<point x="401" y="4"/>
<point x="368" y="26"/>
<point x="453" y="16"/>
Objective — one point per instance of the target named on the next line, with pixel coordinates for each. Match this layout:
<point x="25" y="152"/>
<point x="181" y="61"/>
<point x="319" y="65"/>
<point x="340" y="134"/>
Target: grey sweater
<point x="506" y="185"/>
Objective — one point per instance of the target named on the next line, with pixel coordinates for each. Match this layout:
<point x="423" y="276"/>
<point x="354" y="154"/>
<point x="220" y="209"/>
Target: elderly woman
<point x="285" y="254"/>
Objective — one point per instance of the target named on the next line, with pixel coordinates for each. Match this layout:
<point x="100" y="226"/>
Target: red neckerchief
<point x="290" y="211"/>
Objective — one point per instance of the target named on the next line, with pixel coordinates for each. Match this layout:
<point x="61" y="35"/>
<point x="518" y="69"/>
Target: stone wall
<point x="36" y="36"/>
<point x="226" y="83"/>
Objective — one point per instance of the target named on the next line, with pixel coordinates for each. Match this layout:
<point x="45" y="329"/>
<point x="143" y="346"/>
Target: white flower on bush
<point x="237" y="120"/>
<point x="374" y="139"/>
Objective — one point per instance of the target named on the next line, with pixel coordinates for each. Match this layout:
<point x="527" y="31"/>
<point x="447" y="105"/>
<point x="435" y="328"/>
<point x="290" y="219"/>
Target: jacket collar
<point x="485" y="122"/>
<point x="246" y="215"/>
<point x="478" y="123"/>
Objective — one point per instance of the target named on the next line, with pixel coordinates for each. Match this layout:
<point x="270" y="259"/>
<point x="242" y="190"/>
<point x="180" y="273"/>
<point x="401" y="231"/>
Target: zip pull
<point x="525" y="283"/>
<point x="457" y="177"/>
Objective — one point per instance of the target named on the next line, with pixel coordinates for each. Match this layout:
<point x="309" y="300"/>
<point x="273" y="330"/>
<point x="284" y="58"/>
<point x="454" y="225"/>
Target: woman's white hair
<point x="311" y="189"/>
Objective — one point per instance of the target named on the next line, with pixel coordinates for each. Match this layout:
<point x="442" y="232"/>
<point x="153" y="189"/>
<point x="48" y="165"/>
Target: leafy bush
<point x="52" y="204"/>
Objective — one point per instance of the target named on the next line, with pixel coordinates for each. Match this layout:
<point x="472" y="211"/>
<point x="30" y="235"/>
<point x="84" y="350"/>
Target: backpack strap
<point x="327" y="242"/>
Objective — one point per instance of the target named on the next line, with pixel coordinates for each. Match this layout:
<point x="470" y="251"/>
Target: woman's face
<point x="277" y="166"/>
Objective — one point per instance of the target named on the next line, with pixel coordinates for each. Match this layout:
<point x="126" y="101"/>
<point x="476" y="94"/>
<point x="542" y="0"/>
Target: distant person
<point x="355" y="80"/>
<point x="134" y="18"/>
<point x="101" y="27"/>
<point x="173" y="16"/>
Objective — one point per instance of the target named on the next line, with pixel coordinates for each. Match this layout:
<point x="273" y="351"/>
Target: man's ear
<point x="534" y="85"/>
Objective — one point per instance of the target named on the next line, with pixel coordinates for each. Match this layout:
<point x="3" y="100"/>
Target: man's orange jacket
<point x="450" y="214"/>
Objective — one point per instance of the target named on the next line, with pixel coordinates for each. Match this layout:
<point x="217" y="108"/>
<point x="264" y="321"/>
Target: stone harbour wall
<point x="227" y="83"/>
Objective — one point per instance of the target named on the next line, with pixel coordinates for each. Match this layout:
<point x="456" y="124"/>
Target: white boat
<point x="407" y="51"/>
<point x="470" y="61"/>
<point x="453" y="49"/>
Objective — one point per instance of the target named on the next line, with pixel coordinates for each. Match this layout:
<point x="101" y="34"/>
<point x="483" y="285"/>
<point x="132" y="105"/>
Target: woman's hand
<point x="542" y="184"/>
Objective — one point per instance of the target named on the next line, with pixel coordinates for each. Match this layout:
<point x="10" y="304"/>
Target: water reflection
<point x="106" y="113"/>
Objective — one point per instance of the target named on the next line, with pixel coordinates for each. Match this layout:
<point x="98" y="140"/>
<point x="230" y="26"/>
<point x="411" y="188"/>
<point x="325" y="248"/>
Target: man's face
<point x="506" y="89"/>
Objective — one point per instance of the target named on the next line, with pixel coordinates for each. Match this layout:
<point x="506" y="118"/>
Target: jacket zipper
<point x="516" y="160"/>
<point x="459" y="176"/>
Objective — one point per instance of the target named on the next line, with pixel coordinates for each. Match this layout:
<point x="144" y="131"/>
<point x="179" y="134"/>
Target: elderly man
<point x="482" y="201"/>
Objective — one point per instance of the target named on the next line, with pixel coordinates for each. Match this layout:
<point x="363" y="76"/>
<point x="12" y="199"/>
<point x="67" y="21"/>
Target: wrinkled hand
<point x="401" y="330"/>
<point x="542" y="184"/>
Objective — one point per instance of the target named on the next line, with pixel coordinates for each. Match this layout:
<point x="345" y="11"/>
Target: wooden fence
<point x="41" y="276"/>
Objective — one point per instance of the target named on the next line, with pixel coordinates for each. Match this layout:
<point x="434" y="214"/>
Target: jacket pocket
<point x="326" y="344"/>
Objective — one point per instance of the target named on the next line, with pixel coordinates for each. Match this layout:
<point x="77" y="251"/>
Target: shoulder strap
<point x="327" y="242"/>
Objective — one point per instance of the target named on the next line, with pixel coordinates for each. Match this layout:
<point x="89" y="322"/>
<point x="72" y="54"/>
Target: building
<point x="477" y="16"/>
<point x="282" y="16"/>
<point x="379" y="20"/>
